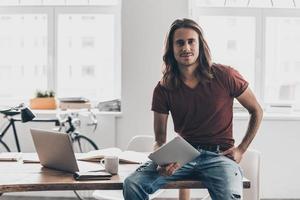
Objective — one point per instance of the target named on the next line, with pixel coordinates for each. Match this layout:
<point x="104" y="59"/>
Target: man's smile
<point x="186" y="55"/>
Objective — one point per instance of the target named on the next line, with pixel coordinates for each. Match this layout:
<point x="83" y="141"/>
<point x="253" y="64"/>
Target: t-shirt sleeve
<point x="237" y="84"/>
<point x="160" y="100"/>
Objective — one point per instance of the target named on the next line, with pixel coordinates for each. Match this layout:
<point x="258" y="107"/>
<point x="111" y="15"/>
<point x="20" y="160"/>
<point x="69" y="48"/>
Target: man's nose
<point x="186" y="46"/>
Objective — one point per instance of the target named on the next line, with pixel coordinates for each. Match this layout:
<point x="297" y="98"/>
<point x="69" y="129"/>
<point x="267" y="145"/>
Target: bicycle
<point x="70" y="122"/>
<point x="9" y="114"/>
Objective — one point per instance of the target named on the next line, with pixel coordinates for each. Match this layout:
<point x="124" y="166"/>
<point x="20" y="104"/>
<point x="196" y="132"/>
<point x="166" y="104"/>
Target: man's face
<point x="186" y="47"/>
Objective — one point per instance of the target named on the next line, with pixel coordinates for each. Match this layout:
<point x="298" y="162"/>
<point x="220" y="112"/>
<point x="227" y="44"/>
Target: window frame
<point x="116" y="11"/>
<point x="52" y="13"/>
<point x="260" y="15"/>
<point x="275" y="12"/>
<point x="29" y="10"/>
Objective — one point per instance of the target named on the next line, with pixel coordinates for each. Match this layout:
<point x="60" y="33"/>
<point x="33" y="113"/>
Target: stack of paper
<point x="31" y="158"/>
<point x="124" y="156"/>
<point x="8" y="156"/>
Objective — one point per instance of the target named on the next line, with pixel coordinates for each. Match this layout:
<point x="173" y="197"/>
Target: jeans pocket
<point x="230" y="159"/>
<point x="147" y="166"/>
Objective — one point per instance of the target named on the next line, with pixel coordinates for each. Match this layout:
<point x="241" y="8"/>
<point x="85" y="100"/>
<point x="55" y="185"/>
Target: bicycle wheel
<point x="83" y="144"/>
<point x="4" y="147"/>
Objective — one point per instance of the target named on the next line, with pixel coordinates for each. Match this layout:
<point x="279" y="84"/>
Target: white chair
<point x="251" y="167"/>
<point x="140" y="143"/>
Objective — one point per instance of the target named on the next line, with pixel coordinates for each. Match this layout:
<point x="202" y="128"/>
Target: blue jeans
<point x="221" y="175"/>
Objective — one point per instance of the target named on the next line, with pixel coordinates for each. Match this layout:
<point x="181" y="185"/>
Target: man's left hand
<point x="235" y="153"/>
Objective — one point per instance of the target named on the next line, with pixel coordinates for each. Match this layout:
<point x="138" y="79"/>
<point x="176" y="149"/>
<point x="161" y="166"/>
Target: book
<point x="74" y="105"/>
<point x="73" y="99"/>
<point x="8" y="156"/>
<point x="128" y="157"/>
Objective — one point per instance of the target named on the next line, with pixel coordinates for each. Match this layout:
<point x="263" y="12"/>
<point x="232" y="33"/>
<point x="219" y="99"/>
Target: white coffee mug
<point x="111" y="164"/>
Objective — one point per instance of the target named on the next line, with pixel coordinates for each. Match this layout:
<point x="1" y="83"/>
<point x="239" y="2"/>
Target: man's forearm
<point x="157" y="145"/>
<point x="254" y="122"/>
<point x="160" y="139"/>
<point x="160" y="129"/>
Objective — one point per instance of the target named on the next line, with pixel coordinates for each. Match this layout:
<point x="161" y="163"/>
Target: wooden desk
<point x="19" y="177"/>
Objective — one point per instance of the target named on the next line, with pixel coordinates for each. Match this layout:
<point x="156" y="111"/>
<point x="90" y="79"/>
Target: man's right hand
<point x="168" y="170"/>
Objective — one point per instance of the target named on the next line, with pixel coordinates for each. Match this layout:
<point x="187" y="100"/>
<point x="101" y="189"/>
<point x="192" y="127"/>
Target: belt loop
<point x="218" y="148"/>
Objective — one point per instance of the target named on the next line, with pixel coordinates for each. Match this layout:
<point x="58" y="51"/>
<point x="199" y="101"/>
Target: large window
<point x="282" y="59"/>
<point x="85" y="56"/>
<point x="261" y="43"/>
<point x="73" y="50"/>
<point x="232" y="48"/>
<point x="24" y="54"/>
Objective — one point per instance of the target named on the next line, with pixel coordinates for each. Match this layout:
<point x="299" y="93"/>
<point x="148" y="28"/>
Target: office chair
<point x="251" y="164"/>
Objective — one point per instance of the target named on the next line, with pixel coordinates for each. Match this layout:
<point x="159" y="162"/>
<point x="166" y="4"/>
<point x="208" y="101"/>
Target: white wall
<point x="144" y="26"/>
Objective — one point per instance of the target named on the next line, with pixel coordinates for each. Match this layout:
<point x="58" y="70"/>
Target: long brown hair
<point x="171" y="73"/>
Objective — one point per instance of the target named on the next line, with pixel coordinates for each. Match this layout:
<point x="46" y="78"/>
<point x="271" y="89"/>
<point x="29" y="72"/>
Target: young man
<point x="199" y="94"/>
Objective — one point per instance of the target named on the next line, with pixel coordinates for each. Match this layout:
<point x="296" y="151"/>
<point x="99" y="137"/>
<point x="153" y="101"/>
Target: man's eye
<point x="180" y="43"/>
<point x="191" y="41"/>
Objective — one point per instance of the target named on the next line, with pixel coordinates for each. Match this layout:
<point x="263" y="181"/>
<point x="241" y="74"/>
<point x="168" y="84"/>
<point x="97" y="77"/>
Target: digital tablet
<point x="177" y="150"/>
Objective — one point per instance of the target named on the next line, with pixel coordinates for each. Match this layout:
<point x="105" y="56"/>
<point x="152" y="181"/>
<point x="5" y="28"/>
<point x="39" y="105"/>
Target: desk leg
<point x="184" y="194"/>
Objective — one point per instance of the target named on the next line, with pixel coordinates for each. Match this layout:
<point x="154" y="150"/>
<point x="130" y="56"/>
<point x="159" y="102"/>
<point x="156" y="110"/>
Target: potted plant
<point x="43" y="100"/>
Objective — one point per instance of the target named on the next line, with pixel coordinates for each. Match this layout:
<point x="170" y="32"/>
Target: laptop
<point x="55" y="151"/>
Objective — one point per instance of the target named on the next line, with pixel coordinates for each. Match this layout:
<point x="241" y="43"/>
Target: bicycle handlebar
<point x="72" y="121"/>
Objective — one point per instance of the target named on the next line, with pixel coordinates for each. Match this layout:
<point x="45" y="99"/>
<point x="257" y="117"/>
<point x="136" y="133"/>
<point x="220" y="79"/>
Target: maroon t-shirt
<point x="203" y="115"/>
